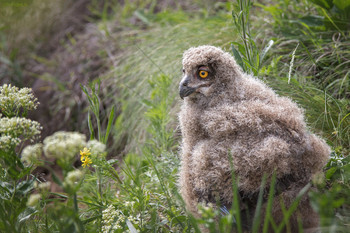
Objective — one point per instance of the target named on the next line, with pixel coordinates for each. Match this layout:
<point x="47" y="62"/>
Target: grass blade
<point x="131" y="227"/>
<point x="269" y="204"/>
<point x="109" y="126"/>
<point x="91" y="128"/>
<point x="287" y="214"/>
<point x="257" y="214"/>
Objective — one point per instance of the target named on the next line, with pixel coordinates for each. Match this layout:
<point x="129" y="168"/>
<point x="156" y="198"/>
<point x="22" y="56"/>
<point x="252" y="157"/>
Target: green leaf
<point x="326" y="4"/>
<point x="330" y="172"/>
<point x="178" y="220"/>
<point x="25" y="186"/>
<point x="338" y="203"/>
<point x="271" y="197"/>
<point x="342" y="4"/>
<point x="55" y="178"/>
<point x="91" y="128"/>
<point x="292" y="208"/>
<point x="241" y="49"/>
<point x="109" y="126"/>
<point x="257" y="214"/>
<point x="237" y="56"/>
<point x="26" y="214"/>
<point x="141" y="16"/>
<point x="6" y="190"/>
<point x="131" y="227"/>
<point x="312" y="20"/>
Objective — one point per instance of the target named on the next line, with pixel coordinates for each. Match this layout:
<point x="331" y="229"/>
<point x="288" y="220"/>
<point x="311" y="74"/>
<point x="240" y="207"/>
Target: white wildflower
<point x="96" y="147"/>
<point x="16" y="127"/>
<point x="111" y="219"/>
<point x="45" y="186"/>
<point x="129" y="203"/>
<point x="72" y="178"/>
<point x="13" y="99"/>
<point x="134" y="220"/>
<point x="8" y="142"/>
<point x="33" y="199"/>
<point x="63" y="145"/>
<point x="31" y="154"/>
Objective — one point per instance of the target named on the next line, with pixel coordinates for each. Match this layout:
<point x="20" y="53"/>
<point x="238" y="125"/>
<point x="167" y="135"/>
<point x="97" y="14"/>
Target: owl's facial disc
<point x="195" y="82"/>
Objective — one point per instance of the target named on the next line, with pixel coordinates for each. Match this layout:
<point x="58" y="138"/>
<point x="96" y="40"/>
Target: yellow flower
<point x="84" y="153"/>
<point x="86" y="162"/>
<point x="85" y="157"/>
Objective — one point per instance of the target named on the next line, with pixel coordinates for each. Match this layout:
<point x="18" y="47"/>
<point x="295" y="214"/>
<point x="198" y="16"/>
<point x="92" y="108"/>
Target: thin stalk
<point x="75" y="200"/>
<point x="46" y="223"/>
<point x="115" y="175"/>
<point x="271" y="196"/>
<point x="244" y="31"/>
<point x="257" y="214"/>
<point x="98" y="127"/>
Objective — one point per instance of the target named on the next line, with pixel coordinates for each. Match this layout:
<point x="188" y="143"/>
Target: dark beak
<point x="184" y="89"/>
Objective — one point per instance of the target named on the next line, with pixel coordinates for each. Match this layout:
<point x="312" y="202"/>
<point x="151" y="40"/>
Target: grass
<point x="138" y="191"/>
<point x="147" y="55"/>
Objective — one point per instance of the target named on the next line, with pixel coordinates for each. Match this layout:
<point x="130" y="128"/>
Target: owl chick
<point x="226" y="111"/>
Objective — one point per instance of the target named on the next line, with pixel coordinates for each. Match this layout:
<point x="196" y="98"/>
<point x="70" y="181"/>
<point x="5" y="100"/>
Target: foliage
<point x="337" y="15"/>
<point x="94" y="102"/>
<point x="146" y="55"/>
<point x="331" y="199"/>
<point x="247" y="55"/>
<point x="15" y="180"/>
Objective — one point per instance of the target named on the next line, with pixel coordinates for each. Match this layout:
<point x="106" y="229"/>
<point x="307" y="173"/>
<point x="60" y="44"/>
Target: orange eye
<point x="203" y="73"/>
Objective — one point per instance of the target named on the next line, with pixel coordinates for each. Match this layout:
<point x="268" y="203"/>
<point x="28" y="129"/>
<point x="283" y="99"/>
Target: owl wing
<point x="270" y="130"/>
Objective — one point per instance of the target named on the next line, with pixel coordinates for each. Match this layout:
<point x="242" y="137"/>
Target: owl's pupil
<point x="203" y="73"/>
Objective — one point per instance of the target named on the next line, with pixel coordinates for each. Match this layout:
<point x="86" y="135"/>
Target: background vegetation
<point x="110" y="70"/>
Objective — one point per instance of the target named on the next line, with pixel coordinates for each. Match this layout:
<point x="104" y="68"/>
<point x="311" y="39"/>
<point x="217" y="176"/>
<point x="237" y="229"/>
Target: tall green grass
<point x="149" y="53"/>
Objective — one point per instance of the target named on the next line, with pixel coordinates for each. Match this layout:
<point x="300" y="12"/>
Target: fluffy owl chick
<point x="226" y="111"/>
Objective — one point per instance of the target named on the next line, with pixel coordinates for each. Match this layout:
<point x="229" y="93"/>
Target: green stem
<point x="75" y="202"/>
<point x="244" y="30"/>
<point x="98" y="128"/>
<point x="115" y="175"/>
<point x="99" y="182"/>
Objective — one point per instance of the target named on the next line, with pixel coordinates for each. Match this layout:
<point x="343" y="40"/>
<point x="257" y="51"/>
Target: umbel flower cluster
<point x="72" y="178"/>
<point x="64" y="146"/>
<point x="31" y="154"/>
<point x="113" y="219"/>
<point x="13" y="100"/>
<point x="14" y="129"/>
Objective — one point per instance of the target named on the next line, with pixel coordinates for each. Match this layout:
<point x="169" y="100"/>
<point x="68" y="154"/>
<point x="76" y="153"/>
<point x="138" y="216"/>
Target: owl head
<point x="206" y="70"/>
